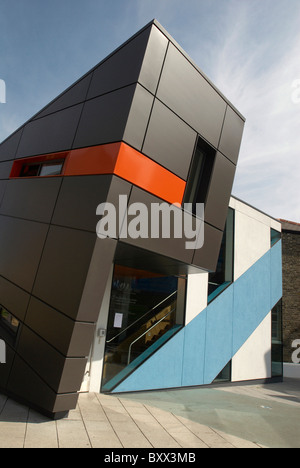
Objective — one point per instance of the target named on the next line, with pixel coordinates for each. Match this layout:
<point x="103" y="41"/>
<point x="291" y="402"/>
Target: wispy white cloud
<point x="257" y="77"/>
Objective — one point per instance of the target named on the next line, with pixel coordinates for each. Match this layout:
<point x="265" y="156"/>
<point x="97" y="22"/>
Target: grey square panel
<point x="21" y="244"/>
<point x="80" y="196"/>
<point x="74" y="338"/>
<point x="104" y="118"/>
<point x="207" y="256"/>
<point x="138" y="118"/>
<point x="121" y="68"/>
<point x="231" y="137"/>
<point x="14" y="299"/>
<point x="78" y="200"/>
<point x="50" y="134"/>
<point x="153" y="60"/>
<point x="74" y="95"/>
<point x="166" y="243"/>
<point x="3" y="184"/>
<point x="49" y="364"/>
<point x="31" y="198"/>
<point x="9" y="147"/>
<point x="63" y="268"/>
<point x="25" y="383"/>
<point x="169" y="141"/>
<point x="189" y="95"/>
<point x="5" y="169"/>
<point x="216" y="207"/>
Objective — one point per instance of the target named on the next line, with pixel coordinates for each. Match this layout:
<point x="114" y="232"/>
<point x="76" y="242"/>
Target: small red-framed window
<point x="49" y="165"/>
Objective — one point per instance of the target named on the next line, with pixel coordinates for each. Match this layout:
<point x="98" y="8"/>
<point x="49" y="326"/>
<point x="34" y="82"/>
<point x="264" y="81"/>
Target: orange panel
<point x="121" y="160"/>
<point x="148" y="175"/>
<point x="92" y="160"/>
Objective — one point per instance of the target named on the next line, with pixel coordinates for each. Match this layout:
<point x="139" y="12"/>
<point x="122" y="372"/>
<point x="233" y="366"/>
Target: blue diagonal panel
<point x="198" y="353"/>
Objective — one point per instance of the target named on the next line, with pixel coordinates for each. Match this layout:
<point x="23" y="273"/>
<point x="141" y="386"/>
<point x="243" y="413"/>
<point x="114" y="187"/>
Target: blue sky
<point x="249" y="48"/>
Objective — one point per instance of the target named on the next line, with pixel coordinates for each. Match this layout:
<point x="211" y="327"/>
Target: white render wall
<point x="252" y="235"/>
<point x="252" y="239"/>
<point x="253" y="361"/>
<point x="196" y="297"/>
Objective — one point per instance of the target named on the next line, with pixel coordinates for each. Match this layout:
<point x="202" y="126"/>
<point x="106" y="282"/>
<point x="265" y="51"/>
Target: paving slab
<point x="243" y="416"/>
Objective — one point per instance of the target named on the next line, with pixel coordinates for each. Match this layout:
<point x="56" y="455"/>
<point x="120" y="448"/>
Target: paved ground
<point x="252" y="416"/>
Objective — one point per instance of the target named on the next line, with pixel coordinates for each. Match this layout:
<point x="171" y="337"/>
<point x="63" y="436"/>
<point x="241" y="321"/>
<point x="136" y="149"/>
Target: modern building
<point x="119" y="313"/>
<point x="291" y="297"/>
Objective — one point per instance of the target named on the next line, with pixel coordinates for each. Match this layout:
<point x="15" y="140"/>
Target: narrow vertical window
<point x="200" y="174"/>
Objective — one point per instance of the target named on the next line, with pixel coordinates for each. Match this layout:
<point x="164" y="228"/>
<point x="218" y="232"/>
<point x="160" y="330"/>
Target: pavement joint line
<point x="136" y="423"/>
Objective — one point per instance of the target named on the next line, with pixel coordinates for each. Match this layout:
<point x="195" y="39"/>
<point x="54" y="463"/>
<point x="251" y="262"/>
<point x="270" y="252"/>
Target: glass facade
<point x="223" y="276"/>
<point x="277" y="343"/>
<point x="146" y="309"/>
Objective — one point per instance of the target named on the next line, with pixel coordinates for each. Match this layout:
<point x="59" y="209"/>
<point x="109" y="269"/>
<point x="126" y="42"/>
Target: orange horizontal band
<point x="118" y="159"/>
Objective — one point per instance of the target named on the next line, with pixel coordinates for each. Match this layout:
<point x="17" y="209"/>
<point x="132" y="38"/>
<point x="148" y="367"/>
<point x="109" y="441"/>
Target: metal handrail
<point x="146" y="313"/>
<point x="145" y="333"/>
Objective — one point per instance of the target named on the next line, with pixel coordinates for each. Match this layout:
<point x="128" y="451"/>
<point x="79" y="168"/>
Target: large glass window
<point x="223" y="276"/>
<point x="277" y="344"/>
<point x="146" y="309"/>
<point x="200" y="174"/>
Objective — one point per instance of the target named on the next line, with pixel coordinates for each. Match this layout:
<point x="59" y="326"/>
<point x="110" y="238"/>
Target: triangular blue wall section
<point x="198" y="353"/>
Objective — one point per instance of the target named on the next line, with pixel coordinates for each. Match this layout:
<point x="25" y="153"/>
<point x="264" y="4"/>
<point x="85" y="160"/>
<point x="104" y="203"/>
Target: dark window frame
<point x="39" y="167"/>
<point x="200" y="174"/>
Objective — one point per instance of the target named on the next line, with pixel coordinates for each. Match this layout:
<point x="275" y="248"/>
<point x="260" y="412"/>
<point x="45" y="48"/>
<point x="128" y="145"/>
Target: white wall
<point x="252" y="235"/>
<point x="253" y="360"/>
<point x="196" y="302"/>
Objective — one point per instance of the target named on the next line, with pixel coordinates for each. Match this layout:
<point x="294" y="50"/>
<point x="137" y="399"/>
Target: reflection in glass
<point x="275" y="236"/>
<point x="146" y="309"/>
<point x="223" y="276"/>
<point x="277" y="343"/>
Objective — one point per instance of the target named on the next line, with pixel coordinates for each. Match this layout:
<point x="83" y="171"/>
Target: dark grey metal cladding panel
<point x="169" y="247"/>
<point x="50" y="134"/>
<point x="21" y="244"/>
<point x="104" y="119"/>
<point x="216" y="207"/>
<point x="9" y="147"/>
<point x="207" y="256"/>
<point x="3" y="184"/>
<point x="120" y="69"/>
<point x="74" y="95"/>
<point x="63" y="268"/>
<point x="231" y="137"/>
<point x="63" y="375"/>
<point x="5" y="169"/>
<point x="5" y="369"/>
<point x="80" y="196"/>
<point x="134" y="257"/>
<point x="74" y="338"/>
<point x="28" y="385"/>
<point x="138" y="117"/>
<point x="96" y="280"/>
<point x="169" y="141"/>
<point x="14" y="299"/>
<point x="78" y="200"/>
<point x="31" y="198"/>
<point x="189" y="95"/>
<point x="153" y="61"/>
